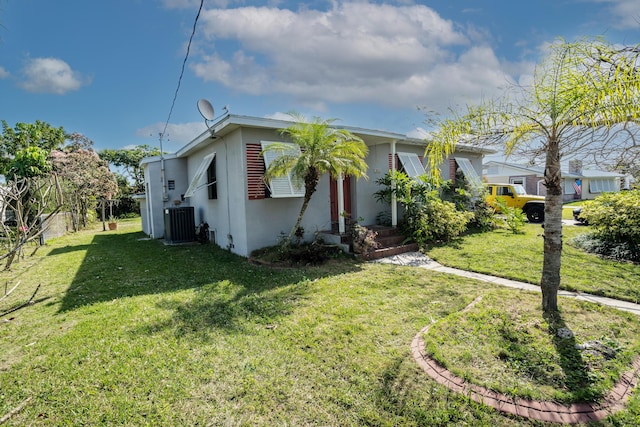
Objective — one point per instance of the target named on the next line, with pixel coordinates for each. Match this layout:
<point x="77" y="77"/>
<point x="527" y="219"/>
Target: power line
<point x="184" y="63"/>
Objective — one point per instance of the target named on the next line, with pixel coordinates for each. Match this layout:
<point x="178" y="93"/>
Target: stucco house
<point x="578" y="183"/>
<point x="218" y="176"/>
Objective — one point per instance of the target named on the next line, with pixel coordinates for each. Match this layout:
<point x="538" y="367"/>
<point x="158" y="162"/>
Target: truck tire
<point x="535" y="214"/>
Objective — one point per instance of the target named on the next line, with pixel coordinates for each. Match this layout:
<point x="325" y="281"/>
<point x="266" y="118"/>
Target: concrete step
<point x="384" y="252"/>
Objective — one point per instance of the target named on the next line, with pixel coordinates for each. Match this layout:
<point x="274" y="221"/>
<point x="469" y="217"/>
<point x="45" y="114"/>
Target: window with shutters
<point x="600" y="185"/>
<point x="212" y="182"/>
<point x="409" y="163"/>
<point x="472" y="177"/>
<point x="285" y="185"/>
<point x="202" y="168"/>
<point x="256" y="188"/>
<point x="257" y="163"/>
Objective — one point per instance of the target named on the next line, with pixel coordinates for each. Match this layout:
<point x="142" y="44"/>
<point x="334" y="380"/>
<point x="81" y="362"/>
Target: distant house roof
<point x="539" y="171"/>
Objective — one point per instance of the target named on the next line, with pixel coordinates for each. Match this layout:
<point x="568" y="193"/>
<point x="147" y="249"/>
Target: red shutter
<point x="453" y="167"/>
<point x="255" y="172"/>
<point x="391" y="160"/>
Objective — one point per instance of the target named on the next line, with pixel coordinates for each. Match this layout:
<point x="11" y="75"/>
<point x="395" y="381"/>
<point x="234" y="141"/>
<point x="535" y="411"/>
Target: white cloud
<point x="180" y="133"/>
<point x="625" y="13"/>
<point x="398" y="56"/>
<point x="51" y="75"/>
<point x="4" y="73"/>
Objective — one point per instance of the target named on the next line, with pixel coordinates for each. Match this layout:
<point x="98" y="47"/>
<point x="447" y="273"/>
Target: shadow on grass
<point x="577" y="378"/>
<point x="421" y="401"/>
<point x="229" y="307"/>
<point x="125" y="265"/>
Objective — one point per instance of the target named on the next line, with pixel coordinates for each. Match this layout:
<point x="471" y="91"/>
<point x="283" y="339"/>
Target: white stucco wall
<point x="175" y="169"/>
<point x="265" y="219"/>
<point x="366" y="208"/>
<point x="225" y="215"/>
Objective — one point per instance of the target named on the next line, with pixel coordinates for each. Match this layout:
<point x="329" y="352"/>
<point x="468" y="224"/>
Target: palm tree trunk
<point x="311" y="179"/>
<point x="295" y="228"/>
<point x="550" y="281"/>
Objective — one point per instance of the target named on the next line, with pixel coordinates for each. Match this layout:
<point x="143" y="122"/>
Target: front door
<point x="333" y="197"/>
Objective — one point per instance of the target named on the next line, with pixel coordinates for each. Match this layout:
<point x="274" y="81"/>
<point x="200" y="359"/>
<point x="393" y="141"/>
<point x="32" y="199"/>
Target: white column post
<point x="341" y="223"/>
<point x="394" y="204"/>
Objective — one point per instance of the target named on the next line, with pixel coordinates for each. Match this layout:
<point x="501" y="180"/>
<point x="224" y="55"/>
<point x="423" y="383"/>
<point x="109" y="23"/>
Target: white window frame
<point x="204" y="165"/>
<point x="602" y="185"/>
<point x="412" y="165"/>
<point x="286" y="185"/>
<point x="522" y="180"/>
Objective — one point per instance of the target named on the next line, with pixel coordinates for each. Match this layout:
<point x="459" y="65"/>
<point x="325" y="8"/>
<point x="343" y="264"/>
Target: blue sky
<point x="109" y="69"/>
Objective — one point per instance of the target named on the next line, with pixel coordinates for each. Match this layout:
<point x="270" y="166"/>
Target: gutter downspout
<point x="394" y="204"/>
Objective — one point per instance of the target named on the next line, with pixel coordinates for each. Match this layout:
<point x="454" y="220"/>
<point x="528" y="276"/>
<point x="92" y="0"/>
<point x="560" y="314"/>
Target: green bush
<point x="615" y="217"/>
<point x="514" y="218"/>
<point x="621" y="251"/>
<point x="427" y="217"/>
<point x="435" y="220"/>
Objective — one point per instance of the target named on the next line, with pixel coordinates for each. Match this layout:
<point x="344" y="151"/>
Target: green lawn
<point x="126" y="331"/>
<point x="519" y="257"/>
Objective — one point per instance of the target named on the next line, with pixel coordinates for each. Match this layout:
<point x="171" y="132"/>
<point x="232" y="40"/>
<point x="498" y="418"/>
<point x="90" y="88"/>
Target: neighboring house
<point x="220" y="175"/>
<point x="578" y="183"/>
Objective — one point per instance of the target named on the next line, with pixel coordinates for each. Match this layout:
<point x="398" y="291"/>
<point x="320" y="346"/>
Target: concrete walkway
<point x="417" y="259"/>
<point x="534" y="409"/>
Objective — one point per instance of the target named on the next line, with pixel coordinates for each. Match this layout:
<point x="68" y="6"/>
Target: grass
<point x="130" y="332"/>
<point x="515" y="349"/>
<point x="519" y="257"/>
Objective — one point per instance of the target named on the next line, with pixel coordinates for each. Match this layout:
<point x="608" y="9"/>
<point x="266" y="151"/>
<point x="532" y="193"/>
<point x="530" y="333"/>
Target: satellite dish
<point x="206" y="109"/>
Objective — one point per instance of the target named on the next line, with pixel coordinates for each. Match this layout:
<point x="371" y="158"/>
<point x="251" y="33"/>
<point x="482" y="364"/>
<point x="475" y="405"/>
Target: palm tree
<point x="322" y="149"/>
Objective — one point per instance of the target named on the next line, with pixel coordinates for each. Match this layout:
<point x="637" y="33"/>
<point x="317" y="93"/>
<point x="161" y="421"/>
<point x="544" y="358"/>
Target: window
<point x="193" y="186"/>
<point x="472" y="177"/>
<point x="212" y="182"/>
<point x="411" y="164"/>
<point x="602" y="185"/>
<point x="518" y="180"/>
<point x="171" y="184"/>
<point x="286" y="185"/>
<point x="504" y="191"/>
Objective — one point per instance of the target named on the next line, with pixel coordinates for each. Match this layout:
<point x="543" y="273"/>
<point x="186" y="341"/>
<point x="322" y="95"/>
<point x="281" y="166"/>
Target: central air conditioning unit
<point x="179" y="225"/>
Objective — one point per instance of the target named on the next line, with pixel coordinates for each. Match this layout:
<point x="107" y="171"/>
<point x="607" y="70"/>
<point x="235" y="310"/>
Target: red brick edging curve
<point x="535" y="409"/>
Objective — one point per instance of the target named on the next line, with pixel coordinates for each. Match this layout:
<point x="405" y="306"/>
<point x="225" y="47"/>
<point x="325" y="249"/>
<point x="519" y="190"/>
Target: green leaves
<point x="30" y="162"/>
<point x="615" y="216"/>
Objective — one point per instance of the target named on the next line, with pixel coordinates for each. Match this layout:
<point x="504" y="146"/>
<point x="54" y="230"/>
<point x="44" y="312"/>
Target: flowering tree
<point x="31" y="189"/>
<point x="129" y="159"/>
<point x="28" y="221"/>
<point x="85" y="177"/>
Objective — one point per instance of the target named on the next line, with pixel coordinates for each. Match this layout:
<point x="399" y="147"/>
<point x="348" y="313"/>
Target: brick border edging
<point x="535" y="409"/>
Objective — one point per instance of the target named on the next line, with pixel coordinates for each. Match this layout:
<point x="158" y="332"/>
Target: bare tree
<point x="24" y="202"/>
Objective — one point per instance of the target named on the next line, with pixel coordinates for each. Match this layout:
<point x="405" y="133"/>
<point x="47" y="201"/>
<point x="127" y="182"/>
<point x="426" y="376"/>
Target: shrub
<point x="427" y="217"/>
<point x="621" y="251"/>
<point x="364" y="239"/>
<point x="471" y="200"/>
<point x="514" y="218"/>
<point x="484" y="216"/>
<point x="615" y="217"/>
<point x="434" y="220"/>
